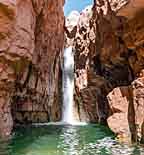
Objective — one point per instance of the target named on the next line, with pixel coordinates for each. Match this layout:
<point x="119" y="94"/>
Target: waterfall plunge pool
<point x="65" y="140"/>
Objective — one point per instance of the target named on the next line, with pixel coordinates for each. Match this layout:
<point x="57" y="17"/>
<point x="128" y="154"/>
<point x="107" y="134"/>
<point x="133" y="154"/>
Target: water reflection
<point x="111" y="147"/>
<point x="66" y="140"/>
<point x="73" y="143"/>
<point x="69" y="141"/>
<point x="5" y="147"/>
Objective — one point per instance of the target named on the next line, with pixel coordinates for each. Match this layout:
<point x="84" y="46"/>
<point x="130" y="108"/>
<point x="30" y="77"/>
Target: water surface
<point x="65" y="140"/>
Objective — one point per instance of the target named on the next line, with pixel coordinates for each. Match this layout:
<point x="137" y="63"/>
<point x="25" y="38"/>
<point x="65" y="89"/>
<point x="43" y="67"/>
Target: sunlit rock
<point x="72" y="20"/>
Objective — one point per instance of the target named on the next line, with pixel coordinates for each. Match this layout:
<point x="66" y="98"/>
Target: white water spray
<point x="68" y="85"/>
<point x="68" y="92"/>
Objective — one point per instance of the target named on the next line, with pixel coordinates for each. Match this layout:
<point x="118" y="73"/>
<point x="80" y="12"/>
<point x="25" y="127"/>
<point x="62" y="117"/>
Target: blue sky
<point x="78" y="5"/>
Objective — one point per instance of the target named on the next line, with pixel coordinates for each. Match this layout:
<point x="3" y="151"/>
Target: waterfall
<point x="68" y="85"/>
<point x="68" y="91"/>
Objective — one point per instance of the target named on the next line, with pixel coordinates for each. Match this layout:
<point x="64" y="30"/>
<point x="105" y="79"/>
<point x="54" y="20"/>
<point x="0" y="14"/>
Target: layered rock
<point x="98" y="65"/>
<point x="127" y="110"/>
<point x="108" y="43"/>
<point x="108" y="48"/>
<point x="138" y="106"/>
<point x="121" y="120"/>
<point x="31" y="43"/>
<point x="133" y="39"/>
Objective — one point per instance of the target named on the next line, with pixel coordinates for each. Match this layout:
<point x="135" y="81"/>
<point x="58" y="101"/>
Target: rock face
<point x="127" y="110"/>
<point x="133" y="36"/>
<point x="138" y="106"/>
<point x="98" y="66"/>
<point x="31" y="43"/>
<point x="108" y="45"/>
<point x="121" y="119"/>
<point x="108" y="41"/>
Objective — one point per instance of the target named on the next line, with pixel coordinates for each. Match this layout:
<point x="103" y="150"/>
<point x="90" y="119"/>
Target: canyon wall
<point x="99" y="58"/>
<point x="108" y="45"/>
<point x="31" y="44"/>
<point x="107" y="40"/>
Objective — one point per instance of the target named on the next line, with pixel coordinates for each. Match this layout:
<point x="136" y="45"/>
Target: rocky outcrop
<point x="108" y="43"/>
<point x="138" y="106"/>
<point x="127" y="113"/>
<point x="121" y="120"/>
<point x="98" y="66"/>
<point x="31" y="43"/>
<point x="133" y="39"/>
<point x="108" y="47"/>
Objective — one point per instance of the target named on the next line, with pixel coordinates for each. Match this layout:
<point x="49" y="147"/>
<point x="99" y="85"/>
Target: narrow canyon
<point x="107" y="44"/>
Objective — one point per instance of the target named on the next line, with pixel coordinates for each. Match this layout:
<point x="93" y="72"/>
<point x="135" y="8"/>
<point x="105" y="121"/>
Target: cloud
<point x="78" y="5"/>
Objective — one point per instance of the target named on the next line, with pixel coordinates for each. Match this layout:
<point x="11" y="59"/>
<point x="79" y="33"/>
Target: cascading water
<point x="68" y="91"/>
<point x="68" y="85"/>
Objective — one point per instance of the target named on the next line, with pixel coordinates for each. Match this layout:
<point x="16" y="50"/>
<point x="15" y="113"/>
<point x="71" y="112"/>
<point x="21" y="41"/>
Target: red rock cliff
<point x="109" y="76"/>
<point x="31" y="43"/>
<point x="109" y="66"/>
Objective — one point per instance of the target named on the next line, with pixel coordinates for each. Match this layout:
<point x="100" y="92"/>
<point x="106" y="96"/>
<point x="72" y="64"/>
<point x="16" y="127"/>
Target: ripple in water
<point x="66" y="140"/>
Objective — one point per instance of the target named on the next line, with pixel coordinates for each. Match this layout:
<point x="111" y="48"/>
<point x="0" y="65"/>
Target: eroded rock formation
<point x="98" y="66"/>
<point x="108" y="66"/>
<point x="133" y="39"/>
<point x="31" y="43"/>
<point x="107" y="39"/>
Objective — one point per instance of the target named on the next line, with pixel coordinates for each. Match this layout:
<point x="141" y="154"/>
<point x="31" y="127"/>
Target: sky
<point x="78" y="5"/>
